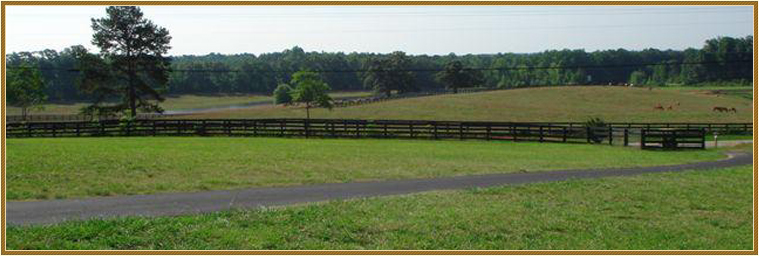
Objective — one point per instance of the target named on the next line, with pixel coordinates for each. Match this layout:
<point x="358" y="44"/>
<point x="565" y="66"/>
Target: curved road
<point x="38" y="212"/>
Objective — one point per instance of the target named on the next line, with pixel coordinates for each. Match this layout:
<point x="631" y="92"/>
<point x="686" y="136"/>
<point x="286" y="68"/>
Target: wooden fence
<point x="673" y="139"/>
<point x="73" y="117"/>
<point x="373" y="99"/>
<point x="308" y="128"/>
<point x="540" y="132"/>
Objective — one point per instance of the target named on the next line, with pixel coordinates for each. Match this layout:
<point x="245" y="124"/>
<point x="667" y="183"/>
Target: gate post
<point x="611" y="136"/>
<point x="642" y="138"/>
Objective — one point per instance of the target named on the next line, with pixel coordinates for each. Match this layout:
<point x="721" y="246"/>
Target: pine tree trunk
<point x="308" y="113"/>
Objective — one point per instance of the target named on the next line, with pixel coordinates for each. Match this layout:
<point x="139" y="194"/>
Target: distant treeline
<point x="720" y="60"/>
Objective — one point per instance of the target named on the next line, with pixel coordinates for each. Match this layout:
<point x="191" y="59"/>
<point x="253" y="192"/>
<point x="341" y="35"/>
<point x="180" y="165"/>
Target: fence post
<point x="627" y="139"/>
<point x="541" y="134"/>
<point x="255" y="128"/>
<point x="587" y="133"/>
<point x="203" y="127"/>
<point x="77" y="129"/>
<point x="514" y="132"/>
<point x="611" y="136"/>
<point x="281" y="128"/>
<point x="411" y="130"/>
<point x="306" y="123"/>
<point x="461" y="131"/>
<point x="703" y="139"/>
<point x="563" y="134"/>
<point x="434" y="125"/>
<point x="152" y="122"/>
<point x="642" y="138"/>
<point x="488" y="133"/>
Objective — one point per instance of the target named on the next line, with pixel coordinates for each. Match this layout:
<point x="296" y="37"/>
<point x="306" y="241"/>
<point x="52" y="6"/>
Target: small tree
<point x="638" y="77"/>
<point x="282" y="94"/>
<point x="26" y="89"/>
<point x="310" y="90"/>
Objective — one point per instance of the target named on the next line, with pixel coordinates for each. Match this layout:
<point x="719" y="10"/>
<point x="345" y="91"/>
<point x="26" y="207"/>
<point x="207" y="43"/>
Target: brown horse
<point x="658" y="107"/>
<point x="720" y="109"/>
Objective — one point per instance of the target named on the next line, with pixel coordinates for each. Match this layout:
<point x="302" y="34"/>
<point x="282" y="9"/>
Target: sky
<point x="432" y="30"/>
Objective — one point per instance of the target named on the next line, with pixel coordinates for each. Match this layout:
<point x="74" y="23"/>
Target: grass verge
<point x="48" y="168"/>
<point x="700" y="210"/>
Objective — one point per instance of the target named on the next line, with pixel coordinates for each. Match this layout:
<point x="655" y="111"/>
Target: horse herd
<point x="715" y="109"/>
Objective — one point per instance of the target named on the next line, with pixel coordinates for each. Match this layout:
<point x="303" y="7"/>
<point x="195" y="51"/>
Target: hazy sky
<point x="416" y="30"/>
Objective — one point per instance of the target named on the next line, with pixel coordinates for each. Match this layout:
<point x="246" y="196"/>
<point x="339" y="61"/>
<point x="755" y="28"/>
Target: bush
<point x="596" y="129"/>
<point x="282" y="94"/>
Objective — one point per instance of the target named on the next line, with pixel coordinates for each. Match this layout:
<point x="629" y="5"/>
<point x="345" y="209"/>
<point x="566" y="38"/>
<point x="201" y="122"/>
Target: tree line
<point x="720" y="60"/>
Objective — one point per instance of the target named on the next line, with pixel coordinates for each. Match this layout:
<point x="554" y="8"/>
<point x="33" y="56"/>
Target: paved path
<point x="188" y="203"/>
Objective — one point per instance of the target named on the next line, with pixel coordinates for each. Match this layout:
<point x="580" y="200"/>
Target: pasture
<point x="697" y="210"/>
<point x="54" y="168"/>
<point x="178" y="102"/>
<point x="548" y="104"/>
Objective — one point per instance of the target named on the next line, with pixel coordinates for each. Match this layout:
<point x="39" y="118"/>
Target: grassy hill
<point x="576" y="103"/>
<point x="178" y="102"/>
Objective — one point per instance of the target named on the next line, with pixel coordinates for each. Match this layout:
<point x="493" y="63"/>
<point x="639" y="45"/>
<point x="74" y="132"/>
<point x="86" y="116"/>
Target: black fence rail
<point x="673" y="139"/>
<point x="337" y="128"/>
<point x="309" y="128"/>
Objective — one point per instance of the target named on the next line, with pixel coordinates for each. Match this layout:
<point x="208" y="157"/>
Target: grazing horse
<point x="658" y="107"/>
<point x="720" y="109"/>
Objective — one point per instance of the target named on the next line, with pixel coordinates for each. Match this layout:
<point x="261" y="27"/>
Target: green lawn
<point x="550" y="104"/>
<point x="47" y="168"/>
<point x="697" y="210"/>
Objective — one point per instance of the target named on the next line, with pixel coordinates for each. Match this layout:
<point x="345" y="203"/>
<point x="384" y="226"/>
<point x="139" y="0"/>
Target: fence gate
<point x="672" y="139"/>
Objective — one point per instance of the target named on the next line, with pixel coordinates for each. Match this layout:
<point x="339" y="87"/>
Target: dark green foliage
<point x="310" y="90"/>
<point x="638" y="78"/>
<point x="131" y="64"/>
<point x="389" y="73"/>
<point x="724" y="57"/>
<point x="455" y="76"/>
<point x="282" y="94"/>
<point x="25" y="88"/>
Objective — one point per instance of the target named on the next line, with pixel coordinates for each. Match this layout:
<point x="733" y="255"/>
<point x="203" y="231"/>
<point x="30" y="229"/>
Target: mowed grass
<point x="698" y="210"/>
<point x="52" y="168"/>
<point x="180" y="102"/>
<point x="549" y="104"/>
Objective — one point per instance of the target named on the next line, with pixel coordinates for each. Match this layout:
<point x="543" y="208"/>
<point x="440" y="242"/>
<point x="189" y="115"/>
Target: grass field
<point x="181" y="102"/>
<point x="555" y="104"/>
<point x="79" y="167"/>
<point x="673" y="211"/>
